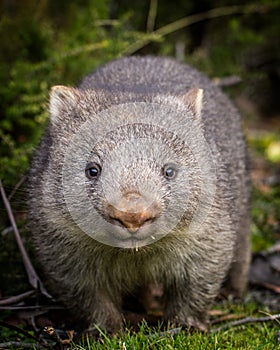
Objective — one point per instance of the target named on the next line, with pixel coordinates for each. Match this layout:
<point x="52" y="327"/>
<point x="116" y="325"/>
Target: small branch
<point x="33" y="278"/>
<point x="106" y="22"/>
<point x="41" y="308"/>
<point x="274" y="249"/>
<point x="21" y="181"/>
<point x="187" y="21"/>
<point x="18" y="344"/>
<point x="227" y="81"/>
<point x="16" y="299"/>
<point x="152" y="15"/>
<point x="244" y="321"/>
<point x="71" y="53"/>
<point x="175" y="331"/>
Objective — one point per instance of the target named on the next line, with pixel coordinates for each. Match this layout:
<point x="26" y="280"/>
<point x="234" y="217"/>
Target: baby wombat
<point x="140" y="180"/>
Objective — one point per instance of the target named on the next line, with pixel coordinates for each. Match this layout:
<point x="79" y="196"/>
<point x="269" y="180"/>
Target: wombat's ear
<point x="62" y="101"/>
<point x="193" y="99"/>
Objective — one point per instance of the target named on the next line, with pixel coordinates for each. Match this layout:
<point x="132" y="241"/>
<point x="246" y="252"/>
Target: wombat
<point x="141" y="179"/>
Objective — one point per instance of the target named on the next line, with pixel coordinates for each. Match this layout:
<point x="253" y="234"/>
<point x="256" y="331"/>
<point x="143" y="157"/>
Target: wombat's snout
<point x="133" y="212"/>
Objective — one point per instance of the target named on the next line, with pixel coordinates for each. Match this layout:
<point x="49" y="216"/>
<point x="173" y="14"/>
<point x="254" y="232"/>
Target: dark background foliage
<point x="53" y="42"/>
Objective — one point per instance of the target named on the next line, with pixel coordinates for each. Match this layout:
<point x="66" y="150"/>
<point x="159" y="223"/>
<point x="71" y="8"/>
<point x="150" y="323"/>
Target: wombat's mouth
<point x="132" y="236"/>
<point x="135" y="242"/>
<point x="133" y="229"/>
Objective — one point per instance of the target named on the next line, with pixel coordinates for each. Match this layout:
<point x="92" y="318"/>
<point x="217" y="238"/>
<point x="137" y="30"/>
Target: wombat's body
<point x="140" y="181"/>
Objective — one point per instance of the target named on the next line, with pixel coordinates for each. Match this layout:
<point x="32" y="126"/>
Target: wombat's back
<point x="145" y="75"/>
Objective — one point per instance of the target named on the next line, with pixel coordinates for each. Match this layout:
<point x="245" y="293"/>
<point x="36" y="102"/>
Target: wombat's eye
<point x="169" y="171"/>
<point x="93" y="171"/>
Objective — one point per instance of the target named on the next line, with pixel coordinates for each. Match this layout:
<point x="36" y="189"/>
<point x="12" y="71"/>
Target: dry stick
<point x="244" y="321"/>
<point x="32" y="309"/>
<point x="31" y="273"/>
<point x="187" y="21"/>
<point x="17" y="298"/>
<point x="21" y="181"/>
<point x="175" y="331"/>
<point x="273" y="249"/>
<point x="72" y="53"/>
<point x="18" y="344"/>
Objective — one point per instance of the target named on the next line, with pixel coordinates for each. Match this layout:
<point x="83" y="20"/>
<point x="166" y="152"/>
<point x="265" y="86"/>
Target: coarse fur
<point x="190" y="262"/>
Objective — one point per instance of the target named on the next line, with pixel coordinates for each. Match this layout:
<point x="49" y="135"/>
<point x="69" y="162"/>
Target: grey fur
<point x="91" y="277"/>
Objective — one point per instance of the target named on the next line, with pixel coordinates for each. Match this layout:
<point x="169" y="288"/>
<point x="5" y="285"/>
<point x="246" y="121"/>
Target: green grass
<point x="250" y="336"/>
<point x="253" y="337"/>
<point x="260" y="336"/>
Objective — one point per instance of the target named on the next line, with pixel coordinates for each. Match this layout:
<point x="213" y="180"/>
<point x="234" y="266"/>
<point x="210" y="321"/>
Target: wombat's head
<point x="132" y="172"/>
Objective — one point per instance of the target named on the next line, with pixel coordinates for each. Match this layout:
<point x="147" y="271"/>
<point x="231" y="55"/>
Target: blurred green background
<point x="46" y="42"/>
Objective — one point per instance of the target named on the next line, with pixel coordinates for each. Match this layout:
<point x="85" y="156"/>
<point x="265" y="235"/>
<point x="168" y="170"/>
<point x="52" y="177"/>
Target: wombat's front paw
<point x="188" y="321"/>
<point x="201" y="325"/>
<point x="110" y="328"/>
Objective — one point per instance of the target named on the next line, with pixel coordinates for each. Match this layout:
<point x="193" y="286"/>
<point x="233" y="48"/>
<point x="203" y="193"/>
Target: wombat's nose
<point x="132" y="217"/>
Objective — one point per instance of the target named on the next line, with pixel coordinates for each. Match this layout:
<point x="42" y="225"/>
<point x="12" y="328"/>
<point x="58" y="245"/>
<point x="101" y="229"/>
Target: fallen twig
<point x="270" y="286"/>
<point x="244" y="321"/>
<point x="228" y="317"/>
<point x="33" y="278"/>
<point x="175" y="331"/>
<point x="274" y="249"/>
<point x="31" y="307"/>
<point x="17" y="298"/>
<point x="18" y="344"/>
